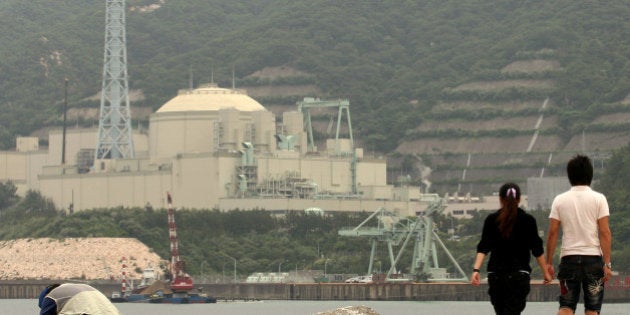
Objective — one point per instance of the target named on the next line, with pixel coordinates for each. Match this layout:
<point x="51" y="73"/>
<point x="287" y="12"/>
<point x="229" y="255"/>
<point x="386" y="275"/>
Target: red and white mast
<point x="180" y="280"/>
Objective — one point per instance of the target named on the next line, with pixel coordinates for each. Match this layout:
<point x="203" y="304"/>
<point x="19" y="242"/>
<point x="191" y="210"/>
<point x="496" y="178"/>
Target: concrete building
<point x="542" y="191"/>
<point x="211" y="148"/>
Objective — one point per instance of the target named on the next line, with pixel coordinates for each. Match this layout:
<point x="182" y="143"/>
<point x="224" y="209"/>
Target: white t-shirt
<point x="578" y="211"/>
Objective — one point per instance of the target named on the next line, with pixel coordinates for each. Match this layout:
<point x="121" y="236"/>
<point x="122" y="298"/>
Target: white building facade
<point x="210" y="148"/>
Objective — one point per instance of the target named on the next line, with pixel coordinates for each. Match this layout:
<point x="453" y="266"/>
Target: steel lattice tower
<point x="114" y="128"/>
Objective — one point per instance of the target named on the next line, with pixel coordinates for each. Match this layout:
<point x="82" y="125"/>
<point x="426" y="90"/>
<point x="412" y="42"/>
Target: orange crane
<point x="180" y="280"/>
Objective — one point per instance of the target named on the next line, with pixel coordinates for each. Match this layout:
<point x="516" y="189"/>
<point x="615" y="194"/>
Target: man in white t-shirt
<point x="582" y="213"/>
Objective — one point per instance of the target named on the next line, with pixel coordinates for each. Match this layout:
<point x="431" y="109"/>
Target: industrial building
<point x="210" y="147"/>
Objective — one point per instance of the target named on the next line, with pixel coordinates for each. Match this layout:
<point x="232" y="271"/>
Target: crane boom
<point x="180" y="280"/>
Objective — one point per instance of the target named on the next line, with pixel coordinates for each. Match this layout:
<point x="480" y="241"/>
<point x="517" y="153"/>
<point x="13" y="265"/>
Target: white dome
<point x="211" y="98"/>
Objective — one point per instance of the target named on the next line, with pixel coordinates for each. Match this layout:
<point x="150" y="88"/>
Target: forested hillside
<point x="432" y="84"/>
<point x="393" y="59"/>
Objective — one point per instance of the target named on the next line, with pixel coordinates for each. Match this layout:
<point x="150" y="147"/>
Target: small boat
<point x="177" y="290"/>
<point x="149" y="276"/>
<point x="182" y="298"/>
<point x="137" y="294"/>
<point x="117" y="297"/>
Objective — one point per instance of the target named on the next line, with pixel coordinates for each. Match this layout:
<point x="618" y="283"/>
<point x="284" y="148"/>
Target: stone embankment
<point x="74" y="258"/>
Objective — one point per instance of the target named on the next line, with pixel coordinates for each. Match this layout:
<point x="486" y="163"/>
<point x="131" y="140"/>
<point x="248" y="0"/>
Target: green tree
<point x="8" y="195"/>
<point x="615" y="179"/>
<point x="34" y="203"/>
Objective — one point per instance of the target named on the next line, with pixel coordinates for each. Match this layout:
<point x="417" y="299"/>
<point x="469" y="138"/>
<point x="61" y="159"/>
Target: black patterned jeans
<point x="576" y="273"/>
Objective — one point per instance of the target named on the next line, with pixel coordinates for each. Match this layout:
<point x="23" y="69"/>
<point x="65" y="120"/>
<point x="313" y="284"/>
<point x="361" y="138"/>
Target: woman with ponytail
<point x="510" y="235"/>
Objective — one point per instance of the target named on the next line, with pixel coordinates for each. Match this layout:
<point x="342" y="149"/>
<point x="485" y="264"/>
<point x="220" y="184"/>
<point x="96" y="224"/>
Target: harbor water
<point x="29" y="306"/>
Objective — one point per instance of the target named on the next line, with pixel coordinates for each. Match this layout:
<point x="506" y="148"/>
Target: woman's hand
<point x="547" y="276"/>
<point x="475" y="279"/>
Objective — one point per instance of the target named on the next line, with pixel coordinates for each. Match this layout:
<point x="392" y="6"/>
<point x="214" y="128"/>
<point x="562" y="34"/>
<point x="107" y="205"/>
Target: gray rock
<point x="350" y="310"/>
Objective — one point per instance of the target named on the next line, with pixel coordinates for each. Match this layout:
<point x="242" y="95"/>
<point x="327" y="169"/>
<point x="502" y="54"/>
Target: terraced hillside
<point x="504" y="126"/>
<point x="486" y="132"/>
<point x="279" y="88"/>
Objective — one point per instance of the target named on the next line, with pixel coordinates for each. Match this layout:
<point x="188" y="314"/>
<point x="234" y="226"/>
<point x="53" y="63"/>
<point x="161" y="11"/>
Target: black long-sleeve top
<point x="511" y="254"/>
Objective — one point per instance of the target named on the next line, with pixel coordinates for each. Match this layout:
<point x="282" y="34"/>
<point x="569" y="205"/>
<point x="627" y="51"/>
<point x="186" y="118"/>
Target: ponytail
<point x="510" y="195"/>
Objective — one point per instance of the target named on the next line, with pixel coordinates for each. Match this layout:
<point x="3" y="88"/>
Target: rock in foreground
<point x="350" y="310"/>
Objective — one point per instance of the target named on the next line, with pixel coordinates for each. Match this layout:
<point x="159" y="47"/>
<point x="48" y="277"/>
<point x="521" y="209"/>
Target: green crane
<point x="398" y="231"/>
<point x="305" y="107"/>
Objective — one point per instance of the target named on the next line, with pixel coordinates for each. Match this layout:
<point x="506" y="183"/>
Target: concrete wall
<point x="96" y="190"/>
<point x="22" y="168"/>
<point x="542" y="191"/>
<point x="173" y="133"/>
<point x="330" y="174"/>
<point x="333" y="291"/>
<point x="200" y="180"/>
<point x="204" y="180"/>
<point x="265" y="129"/>
<point x="80" y="138"/>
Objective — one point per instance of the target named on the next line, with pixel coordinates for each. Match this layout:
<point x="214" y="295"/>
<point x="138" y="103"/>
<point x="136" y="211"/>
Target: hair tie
<point x="511" y="191"/>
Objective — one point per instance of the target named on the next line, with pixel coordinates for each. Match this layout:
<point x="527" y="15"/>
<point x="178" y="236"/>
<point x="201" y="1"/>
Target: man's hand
<point x="607" y="274"/>
<point x="551" y="271"/>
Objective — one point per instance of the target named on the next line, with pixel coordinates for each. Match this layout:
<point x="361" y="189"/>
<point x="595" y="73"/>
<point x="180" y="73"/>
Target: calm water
<point x="20" y="307"/>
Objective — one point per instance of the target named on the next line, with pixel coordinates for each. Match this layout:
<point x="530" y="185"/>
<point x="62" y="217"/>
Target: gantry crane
<point x="180" y="280"/>
<point x="342" y="105"/>
<point x="394" y="230"/>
